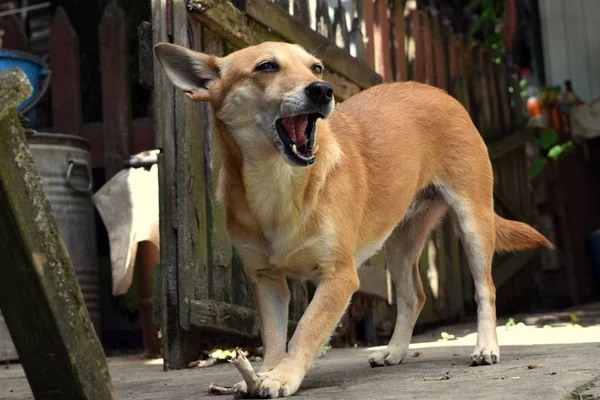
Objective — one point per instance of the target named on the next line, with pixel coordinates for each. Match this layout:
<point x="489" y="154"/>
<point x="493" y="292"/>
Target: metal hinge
<point x="170" y="18"/>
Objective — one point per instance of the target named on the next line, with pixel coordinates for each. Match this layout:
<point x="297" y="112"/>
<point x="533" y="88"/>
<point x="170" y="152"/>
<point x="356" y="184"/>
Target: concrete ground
<point x="546" y="357"/>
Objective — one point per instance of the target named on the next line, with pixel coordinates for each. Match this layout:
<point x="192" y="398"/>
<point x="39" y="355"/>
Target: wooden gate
<point x="203" y="285"/>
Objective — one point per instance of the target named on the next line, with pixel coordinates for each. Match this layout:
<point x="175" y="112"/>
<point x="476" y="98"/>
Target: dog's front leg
<point x="271" y="297"/>
<point x="325" y="310"/>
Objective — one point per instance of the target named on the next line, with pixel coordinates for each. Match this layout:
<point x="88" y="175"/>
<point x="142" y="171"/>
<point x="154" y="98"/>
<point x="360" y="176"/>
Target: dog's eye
<point x="317" y="69"/>
<point x="267" y="66"/>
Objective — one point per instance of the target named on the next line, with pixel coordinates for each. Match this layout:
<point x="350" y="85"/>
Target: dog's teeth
<point x="315" y="149"/>
<point x="294" y="149"/>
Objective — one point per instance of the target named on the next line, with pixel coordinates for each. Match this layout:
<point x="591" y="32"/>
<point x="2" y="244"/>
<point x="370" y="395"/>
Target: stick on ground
<point x="242" y="364"/>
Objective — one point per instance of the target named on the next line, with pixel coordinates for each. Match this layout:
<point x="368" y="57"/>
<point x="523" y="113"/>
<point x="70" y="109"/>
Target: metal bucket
<point x="64" y="164"/>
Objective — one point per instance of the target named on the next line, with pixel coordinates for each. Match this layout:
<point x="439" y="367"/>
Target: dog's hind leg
<point x="402" y="251"/>
<point x="473" y="205"/>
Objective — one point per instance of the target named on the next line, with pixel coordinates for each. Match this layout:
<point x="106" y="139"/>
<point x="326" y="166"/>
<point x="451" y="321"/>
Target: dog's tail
<point x="513" y="235"/>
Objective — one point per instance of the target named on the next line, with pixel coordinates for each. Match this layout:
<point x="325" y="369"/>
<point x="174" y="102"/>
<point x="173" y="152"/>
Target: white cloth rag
<point x="128" y="206"/>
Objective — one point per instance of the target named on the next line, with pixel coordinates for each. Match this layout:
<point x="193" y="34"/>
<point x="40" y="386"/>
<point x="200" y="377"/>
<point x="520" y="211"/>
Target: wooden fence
<point x="365" y="43"/>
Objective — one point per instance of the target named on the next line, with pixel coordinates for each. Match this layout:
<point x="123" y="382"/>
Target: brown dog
<point x="393" y="158"/>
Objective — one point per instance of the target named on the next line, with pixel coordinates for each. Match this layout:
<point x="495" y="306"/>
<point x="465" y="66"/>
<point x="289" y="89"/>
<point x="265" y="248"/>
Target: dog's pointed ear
<point x="188" y="70"/>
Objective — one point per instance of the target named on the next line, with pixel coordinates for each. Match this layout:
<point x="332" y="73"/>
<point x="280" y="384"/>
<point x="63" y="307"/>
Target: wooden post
<point x="64" y="63"/>
<point x="382" y="42"/>
<point x="14" y="37"/>
<point x="369" y="18"/>
<point x="400" y="33"/>
<point x="417" y="34"/>
<point x="427" y="42"/>
<point x="116" y="103"/>
<point x="440" y="57"/>
<point x="39" y="295"/>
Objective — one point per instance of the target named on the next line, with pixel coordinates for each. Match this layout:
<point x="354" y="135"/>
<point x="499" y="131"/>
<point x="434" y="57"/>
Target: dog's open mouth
<point x="298" y="136"/>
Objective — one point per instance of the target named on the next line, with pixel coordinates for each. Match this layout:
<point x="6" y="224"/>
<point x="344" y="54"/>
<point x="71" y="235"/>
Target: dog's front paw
<point x="391" y="355"/>
<point x="485" y="355"/>
<point x="279" y="383"/>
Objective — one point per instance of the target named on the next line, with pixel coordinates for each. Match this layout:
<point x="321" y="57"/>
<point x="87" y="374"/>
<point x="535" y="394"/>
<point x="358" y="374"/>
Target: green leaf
<point x="537" y="167"/>
<point x="477" y="25"/>
<point x="547" y="138"/>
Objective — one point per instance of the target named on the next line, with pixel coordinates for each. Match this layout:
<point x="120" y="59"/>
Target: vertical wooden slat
<point x="324" y="26"/>
<point x="40" y="298"/>
<point x="504" y="98"/>
<point x="427" y="43"/>
<point x="116" y="107"/>
<point x="517" y="110"/>
<point x="400" y="34"/>
<point x="64" y="63"/>
<point x="301" y="11"/>
<point x="14" y="37"/>
<point x="175" y="347"/>
<point x="220" y="247"/>
<point x="369" y="19"/>
<point x="495" y="119"/>
<point x="382" y="42"/>
<point x="340" y="27"/>
<point x="440" y="57"/>
<point x="417" y="35"/>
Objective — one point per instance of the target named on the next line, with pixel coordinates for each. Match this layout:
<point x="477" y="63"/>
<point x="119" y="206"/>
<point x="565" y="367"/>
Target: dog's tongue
<point x="296" y="128"/>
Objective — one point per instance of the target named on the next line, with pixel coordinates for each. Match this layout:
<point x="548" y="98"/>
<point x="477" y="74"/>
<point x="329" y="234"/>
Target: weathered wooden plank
<point x="499" y="148"/>
<point x="64" y="63"/>
<point x="428" y="44"/>
<point x="220" y="246"/>
<point x="417" y="35"/>
<point x="191" y="184"/>
<point x="383" y="53"/>
<point x="116" y="99"/>
<point x="323" y="24"/>
<point x="400" y="36"/>
<point x="502" y="273"/>
<point x="517" y="111"/>
<point x="335" y="58"/>
<point x="494" y="104"/>
<point x="241" y="31"/>
<point x="178" y="345"/>
<point x="340" y="27"/>
<point x="14" y="37"/>
<point x="369" y="35"/>
<point x="502" y="76"/>
<point x="39" y="295"/>
<point x="440" y="56"/>
<point x="145" y="55"/>
<point x="301" y="12"/>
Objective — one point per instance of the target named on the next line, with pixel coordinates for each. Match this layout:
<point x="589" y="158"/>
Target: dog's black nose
<point x="319" y="92"/>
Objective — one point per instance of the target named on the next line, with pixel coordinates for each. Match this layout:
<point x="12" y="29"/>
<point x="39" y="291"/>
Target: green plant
<point x="445" y="336"/>
<point x="548" y="141"/>
<point x="489" y="23"/>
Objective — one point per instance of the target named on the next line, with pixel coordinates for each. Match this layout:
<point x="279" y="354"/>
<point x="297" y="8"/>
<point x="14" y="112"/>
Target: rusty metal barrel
<point x="64" y="164"/>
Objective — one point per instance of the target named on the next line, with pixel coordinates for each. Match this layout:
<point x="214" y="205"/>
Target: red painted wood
<point x="64" y="63"/>
<point x="382" y="42"/>
<point x="417" y="34"/>
<point x="400" y="33"/>
<point x="14" y="37"/>
<point x="428" y="44"/>
<point x="116" y="108"/>
<point x="441" y="68"/>
<point x="369" y="16"/>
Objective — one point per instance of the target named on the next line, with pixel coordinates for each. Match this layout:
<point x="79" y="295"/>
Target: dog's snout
<point x="319" y="92"/>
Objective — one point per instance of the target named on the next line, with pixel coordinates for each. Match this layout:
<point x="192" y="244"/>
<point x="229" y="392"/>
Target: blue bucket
<point x="35" y="70"/>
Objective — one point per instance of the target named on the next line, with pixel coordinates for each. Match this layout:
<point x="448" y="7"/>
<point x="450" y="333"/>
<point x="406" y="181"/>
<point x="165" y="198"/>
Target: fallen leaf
<point x="417" y="354"/>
